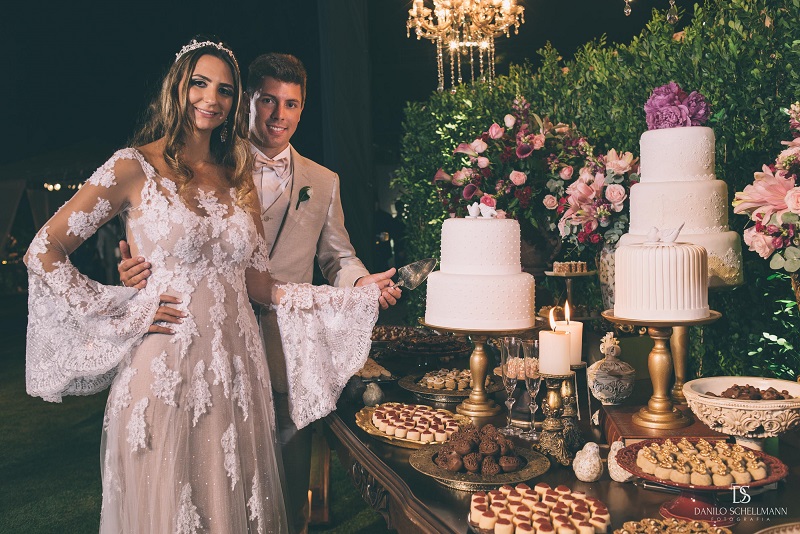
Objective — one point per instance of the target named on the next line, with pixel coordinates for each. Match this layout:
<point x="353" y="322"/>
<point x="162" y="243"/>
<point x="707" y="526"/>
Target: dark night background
<point x="81" y="70"/>
<point x="77" y="75"/>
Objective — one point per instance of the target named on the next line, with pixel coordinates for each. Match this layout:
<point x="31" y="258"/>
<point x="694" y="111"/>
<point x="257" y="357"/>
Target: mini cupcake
<point x="663" y="470"/>
<point x="472" y="462"/>
<point x="489" y="466"/>
<point x="699" y="475"/>
<point x="681" y="474"/>
<point x="541" y="488"/>
<point x="509" y="464"/>
<point x="647" y="462"/>
<point x="720" y="474"/>
<point x="757" y="469"/>
<point x="521" y="519"/>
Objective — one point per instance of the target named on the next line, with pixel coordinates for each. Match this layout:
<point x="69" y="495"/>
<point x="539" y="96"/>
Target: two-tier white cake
<point x="480" y="285"/>
<point x="677" y="186"/>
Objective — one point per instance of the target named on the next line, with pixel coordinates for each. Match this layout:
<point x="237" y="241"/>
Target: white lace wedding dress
<point x="189" y="440"/>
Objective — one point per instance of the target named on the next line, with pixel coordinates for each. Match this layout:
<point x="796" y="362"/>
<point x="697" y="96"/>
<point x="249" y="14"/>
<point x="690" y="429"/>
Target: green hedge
<point x="741" y="54"/>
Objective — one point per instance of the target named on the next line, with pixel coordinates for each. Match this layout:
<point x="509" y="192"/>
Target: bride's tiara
<point x="194" y="45"/>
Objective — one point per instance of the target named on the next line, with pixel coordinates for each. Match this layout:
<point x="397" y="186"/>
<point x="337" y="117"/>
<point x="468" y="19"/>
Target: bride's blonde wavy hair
<point x="169" y="116"/>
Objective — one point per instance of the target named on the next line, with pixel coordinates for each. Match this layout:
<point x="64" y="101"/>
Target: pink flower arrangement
<point x="594" y="208"/>
<point x="669" y="106"/>
<point x="772" y="202"/>
<point x="542" y="173"/>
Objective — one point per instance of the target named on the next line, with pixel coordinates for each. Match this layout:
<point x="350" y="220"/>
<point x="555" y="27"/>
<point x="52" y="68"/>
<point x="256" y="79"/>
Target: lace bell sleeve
<point x="326" y="333"/>
<point x="78" y="329"/>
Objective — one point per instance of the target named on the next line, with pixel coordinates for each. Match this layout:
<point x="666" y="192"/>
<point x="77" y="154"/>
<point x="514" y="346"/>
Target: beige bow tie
<point x="279" y="166"/>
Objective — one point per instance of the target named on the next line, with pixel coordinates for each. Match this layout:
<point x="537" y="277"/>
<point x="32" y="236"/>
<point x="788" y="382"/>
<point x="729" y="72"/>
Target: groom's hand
<point x="389" y="293"/>
<point x="133" y="272"/>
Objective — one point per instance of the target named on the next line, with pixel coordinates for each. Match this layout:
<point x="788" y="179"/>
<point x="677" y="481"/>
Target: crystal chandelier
<point x="465" y="29"/>
<point x="672" y="14"/>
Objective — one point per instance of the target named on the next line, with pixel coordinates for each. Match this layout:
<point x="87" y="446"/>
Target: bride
<point x="189" y="440"/>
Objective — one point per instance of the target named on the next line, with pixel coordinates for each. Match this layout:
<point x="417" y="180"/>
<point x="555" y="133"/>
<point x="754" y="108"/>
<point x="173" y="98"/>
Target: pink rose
<point x="758" y="242"/>
<point x="550" y="202"/>
<point x="792" y="199"/>
<point x="538" y="141"/>
<point x="500" y="214"/>
<point x="483" y="162"/>
<point x="509" y="121"/>
<point x="461" y="177"/>
<point x="488" y="200"/>
<point x="616" y="194"/>
<point x="517" y="178"/>
<point x="478" y="145"/>
<point x="566" y="172"/>
<point x="496" y="131"/>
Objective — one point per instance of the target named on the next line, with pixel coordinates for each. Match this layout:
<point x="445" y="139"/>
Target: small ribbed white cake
<point x="661" y="282"/>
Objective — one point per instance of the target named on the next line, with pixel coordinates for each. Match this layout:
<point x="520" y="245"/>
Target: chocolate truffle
<point x="508" y="463"/>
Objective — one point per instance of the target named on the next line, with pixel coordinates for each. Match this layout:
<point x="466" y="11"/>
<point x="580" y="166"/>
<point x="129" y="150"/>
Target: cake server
<point x="412" y="275"/>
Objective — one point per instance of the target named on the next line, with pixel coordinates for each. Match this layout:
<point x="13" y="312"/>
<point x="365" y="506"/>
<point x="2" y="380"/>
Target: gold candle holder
<point x="551" y="439"/>
<point x="660" y="413"/>
<point x="572" y="435"/>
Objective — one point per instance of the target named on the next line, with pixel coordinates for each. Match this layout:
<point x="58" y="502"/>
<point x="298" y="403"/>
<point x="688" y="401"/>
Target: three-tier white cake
<point x="678" y="185"/>
<point x="480" y="285"/>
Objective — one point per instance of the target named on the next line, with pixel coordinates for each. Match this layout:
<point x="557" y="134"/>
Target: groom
<point x="303" y="219"/>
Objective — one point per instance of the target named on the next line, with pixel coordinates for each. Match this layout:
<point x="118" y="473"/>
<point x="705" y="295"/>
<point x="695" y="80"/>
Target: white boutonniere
<point x="305" y="194"/>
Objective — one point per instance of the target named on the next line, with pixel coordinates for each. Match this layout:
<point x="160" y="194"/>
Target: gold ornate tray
<point x="364" y="422"/>
<point x="410" y="383"/>
<point x="422" y="460"/>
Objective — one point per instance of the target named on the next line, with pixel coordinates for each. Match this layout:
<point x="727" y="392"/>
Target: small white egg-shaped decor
<point x="587" y="464"/>
<point x="617" y="473"/>
<point x="373" y="395"/>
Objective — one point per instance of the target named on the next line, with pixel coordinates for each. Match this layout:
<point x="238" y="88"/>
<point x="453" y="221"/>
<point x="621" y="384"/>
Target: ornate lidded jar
<point x="611" y="379"/>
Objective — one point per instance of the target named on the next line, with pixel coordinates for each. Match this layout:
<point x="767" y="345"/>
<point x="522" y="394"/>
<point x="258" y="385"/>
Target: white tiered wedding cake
<point x="678" y="185"/>
<point x="481" y="285"/>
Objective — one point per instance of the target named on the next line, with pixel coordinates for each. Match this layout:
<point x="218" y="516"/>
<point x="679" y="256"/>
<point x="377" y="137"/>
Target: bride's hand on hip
<point x="166" y="314"/>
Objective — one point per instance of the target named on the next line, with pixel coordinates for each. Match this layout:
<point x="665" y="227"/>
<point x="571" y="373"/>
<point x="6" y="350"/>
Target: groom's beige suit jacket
<point x="298" y="231"/>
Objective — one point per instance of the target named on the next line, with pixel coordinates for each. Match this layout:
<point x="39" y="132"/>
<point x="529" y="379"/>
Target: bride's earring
<point x="223" y="134"/>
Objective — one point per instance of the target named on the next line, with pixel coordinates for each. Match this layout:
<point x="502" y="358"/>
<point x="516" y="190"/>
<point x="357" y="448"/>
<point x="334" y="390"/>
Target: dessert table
<point x="412" y="502"/>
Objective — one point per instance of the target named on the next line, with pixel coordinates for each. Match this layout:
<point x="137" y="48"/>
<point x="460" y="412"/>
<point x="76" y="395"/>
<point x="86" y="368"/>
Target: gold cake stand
<point x="660" y="412"/>
<point x="478" y="404"/>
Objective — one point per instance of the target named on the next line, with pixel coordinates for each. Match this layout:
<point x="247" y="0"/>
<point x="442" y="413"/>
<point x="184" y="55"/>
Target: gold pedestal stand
<point x="478" y="404"/>
<point x="660" y="412"/>
<point x="679" y="345"/>
<point x="552" y="440"/>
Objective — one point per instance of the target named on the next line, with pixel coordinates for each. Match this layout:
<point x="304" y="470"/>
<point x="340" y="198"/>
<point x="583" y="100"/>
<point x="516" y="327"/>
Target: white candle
<point x="575" y="328"/>
<point x="554" y="350"/>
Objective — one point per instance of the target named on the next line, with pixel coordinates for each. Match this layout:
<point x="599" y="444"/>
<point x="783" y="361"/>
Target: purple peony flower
<point x="699" y="110"/>
<point x="669" y="117"/>
<point x="670" y="94"/>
